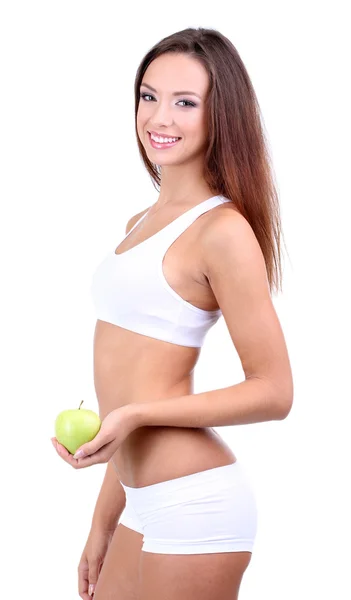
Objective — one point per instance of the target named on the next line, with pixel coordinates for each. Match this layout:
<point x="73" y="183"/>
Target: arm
<point x="234" y="266"/>
<point x="111" y="501"/>
<point x="236" y="271"/>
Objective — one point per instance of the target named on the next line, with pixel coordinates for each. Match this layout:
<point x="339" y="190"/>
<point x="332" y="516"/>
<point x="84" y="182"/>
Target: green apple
<point x="75" y="427"/>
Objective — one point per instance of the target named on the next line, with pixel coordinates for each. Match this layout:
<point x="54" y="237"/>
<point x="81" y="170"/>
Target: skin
<point x="183" y="186"/>
<point x="130" y="368"/>
<point x="182" y="166"/>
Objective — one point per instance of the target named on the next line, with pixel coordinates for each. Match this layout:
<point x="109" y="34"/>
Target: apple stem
<point x="80" y="404"/>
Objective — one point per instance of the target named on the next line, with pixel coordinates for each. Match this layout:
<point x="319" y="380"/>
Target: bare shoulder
<point x="217" y="222"/>
<point x="227" y="229"/>
<point x="135" y="218"/>
<point x="232" y="259"/>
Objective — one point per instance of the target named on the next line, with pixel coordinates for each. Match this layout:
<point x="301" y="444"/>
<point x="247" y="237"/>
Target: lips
<point x="162" y="145"/>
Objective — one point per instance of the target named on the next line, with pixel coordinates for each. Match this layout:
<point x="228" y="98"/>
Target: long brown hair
<point x="237" y="160"/>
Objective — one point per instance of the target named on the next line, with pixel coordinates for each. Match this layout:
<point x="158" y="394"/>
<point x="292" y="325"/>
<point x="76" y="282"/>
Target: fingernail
<point x="91" y="589"/>
<point x="79" y="454"/>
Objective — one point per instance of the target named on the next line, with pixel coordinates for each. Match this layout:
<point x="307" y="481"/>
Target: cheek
<point x="196" y="127"/>
<point x="141" y="126"/>
<point x="144" y="111"/>
<point x="140" y="116"/>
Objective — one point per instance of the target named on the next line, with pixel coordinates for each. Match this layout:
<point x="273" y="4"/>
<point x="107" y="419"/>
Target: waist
<point x="154" y="454"/>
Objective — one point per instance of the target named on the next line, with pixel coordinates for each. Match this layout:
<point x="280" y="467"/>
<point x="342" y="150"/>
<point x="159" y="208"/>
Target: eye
<point x="144" y="95"/>
<point x="187" y="102"/>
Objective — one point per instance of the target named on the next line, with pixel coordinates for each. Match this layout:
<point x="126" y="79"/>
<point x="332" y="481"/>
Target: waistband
<point x="224" y="474"/>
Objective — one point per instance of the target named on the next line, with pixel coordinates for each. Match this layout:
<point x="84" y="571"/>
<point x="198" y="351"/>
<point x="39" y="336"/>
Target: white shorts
<point x="206" y="512"/>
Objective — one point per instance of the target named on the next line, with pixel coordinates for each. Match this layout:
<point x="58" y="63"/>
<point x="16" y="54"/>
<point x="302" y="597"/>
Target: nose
<point x="161" y="116"/>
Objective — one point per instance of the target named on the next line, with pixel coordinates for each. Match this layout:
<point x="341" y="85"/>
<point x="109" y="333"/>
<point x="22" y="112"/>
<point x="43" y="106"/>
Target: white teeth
<point x="161" y="140"/>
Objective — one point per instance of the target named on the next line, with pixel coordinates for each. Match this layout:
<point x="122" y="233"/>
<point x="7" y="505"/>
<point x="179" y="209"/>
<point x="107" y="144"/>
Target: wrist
<point x="137" y="415"/>
<point x="103" y="526"/>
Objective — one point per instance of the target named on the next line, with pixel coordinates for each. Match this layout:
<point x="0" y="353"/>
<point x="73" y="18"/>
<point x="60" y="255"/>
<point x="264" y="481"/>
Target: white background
<point x="71" y="177"/>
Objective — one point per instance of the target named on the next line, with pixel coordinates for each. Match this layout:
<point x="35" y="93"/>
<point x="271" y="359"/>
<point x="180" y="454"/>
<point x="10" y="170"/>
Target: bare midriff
<point x="130" y="367"/>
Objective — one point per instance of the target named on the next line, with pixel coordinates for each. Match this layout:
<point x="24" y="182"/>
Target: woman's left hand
<point x="115" y="428"/>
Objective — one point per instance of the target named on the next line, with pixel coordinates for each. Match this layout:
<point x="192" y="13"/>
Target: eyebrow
<point x="174" y="93"/>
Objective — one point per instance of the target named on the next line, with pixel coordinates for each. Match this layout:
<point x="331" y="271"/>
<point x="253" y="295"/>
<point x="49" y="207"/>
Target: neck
<point x="183" y="185"/>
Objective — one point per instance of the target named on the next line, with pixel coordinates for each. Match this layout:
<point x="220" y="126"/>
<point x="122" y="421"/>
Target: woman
<point x="187" y="514"/>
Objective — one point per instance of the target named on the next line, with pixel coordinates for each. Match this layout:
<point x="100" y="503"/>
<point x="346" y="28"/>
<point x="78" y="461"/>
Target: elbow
<point x="280" y="397"/>
<point x="283" y="401"/>
<point x="284" y="404"/>
<point x="284" y="409"/>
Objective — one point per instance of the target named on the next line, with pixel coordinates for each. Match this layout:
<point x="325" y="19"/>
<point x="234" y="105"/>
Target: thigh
<point x="119" y="576"/>
<point x="187" y="577"/>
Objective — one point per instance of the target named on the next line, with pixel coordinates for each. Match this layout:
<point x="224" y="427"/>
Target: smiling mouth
<point x="159" y="145"/>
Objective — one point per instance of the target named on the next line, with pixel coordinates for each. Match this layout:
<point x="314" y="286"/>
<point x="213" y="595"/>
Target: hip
<point x="211" y="511"/>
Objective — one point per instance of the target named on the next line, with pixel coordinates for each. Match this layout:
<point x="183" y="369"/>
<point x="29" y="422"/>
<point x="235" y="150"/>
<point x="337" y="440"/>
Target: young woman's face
<point x="172" y="104"/>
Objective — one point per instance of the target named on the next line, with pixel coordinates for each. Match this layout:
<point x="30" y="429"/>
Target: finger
<point x="62" y="450"/>
<point x="59" y="447"/>
<point x="99" y="442"/>
<point x="101" y="456"/>
<point x="83" y="581"/>
<point x="64" y="453"/>
<point x="94" y="571"/>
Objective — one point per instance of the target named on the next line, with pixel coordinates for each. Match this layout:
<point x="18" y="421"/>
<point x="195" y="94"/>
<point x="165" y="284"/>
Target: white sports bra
<point x="130" y="290"/>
